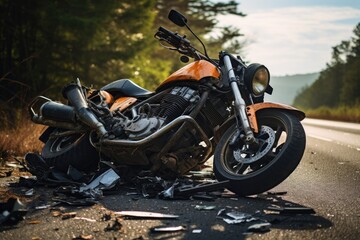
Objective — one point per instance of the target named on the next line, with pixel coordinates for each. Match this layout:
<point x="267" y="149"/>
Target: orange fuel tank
<point x="194" y="72"/>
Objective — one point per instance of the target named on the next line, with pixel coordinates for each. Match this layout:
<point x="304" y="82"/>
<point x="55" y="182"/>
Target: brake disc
<point x="266" y="139"/>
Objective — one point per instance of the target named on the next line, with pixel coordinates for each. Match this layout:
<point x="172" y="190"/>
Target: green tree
<point x="339" y="83"/>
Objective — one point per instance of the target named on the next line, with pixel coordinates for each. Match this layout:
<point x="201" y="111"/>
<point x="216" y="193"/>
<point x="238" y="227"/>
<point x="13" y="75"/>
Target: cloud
<point x="294" y="39"/>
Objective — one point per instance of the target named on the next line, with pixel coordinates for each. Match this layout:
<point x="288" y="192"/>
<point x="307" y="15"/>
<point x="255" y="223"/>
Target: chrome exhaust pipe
<point x="75" y="96"/>
<point x="44" y="111"/>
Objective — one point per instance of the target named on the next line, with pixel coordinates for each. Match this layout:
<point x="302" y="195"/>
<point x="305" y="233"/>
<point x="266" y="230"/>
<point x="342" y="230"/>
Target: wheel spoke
<point x="278" y="132"/>
<point x="239" y="167"/>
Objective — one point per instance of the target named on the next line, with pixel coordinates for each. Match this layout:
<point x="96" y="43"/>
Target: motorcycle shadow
<point x="288" y="215"/>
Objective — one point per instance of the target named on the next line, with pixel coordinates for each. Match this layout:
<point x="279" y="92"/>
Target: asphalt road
<point x="327" y="180"/>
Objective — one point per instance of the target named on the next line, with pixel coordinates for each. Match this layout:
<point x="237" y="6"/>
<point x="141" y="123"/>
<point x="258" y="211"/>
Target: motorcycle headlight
<point x="257" y="78"/>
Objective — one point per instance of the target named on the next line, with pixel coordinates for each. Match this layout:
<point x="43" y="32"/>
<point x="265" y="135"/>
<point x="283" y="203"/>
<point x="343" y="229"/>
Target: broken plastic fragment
<point x="259" y="227"/>
<point x="12" y="212"/>
<point x="204" y="188"/>
<point x="167" y="229"/>
<point x="141" y="214"/>
<point x="106" y="180"/>
<point x="292" y="210"/>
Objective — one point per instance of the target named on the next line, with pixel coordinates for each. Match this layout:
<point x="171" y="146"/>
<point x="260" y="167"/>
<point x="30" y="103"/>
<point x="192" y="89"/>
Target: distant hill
<point x="287" y="87"/>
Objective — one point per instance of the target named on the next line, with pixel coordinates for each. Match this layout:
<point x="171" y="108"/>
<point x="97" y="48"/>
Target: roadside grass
<point x="342" y="113"/>
<point x="21" y="139"/>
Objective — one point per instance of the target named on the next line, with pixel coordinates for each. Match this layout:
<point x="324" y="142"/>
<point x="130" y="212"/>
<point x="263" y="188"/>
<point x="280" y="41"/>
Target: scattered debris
<point x="115" y="226"/>
<point x="162" y="229"/>
<point x="68" y="215"/>
<point x="6" y="171"/>
<point x="196" y="231"/>
<point x="235" y="217"/>
<point x="84" y="218"/>
<point x="141" y="214"/>
<point x="12" y="212"/>
<point x="292" y="210"/>
<point x="209" y="187"/>
<point x="106" y="216"/>
<point x="40" y="207"/>
<point x="204" y="207"/>
<point x="259" y="227"/>
<point x="29" y="192"/>
<point x="277" y="193"/>
<point x="56" y="213"/>
<point x="106" y="180"/>
<point x="34" y="222"/>
<point x="84" y="237"/>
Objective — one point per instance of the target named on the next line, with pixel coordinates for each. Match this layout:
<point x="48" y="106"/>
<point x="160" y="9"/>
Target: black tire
<point x="75" y="150"/>
<point x="278" y="156"/>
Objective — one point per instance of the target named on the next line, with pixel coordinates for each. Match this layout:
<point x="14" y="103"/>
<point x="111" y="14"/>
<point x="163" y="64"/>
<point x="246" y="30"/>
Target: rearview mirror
<point x="177" y="18"/>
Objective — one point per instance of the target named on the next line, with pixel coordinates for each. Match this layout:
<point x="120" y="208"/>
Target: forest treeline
<point x="45" y="44"/>
<point x="338" y="87"/>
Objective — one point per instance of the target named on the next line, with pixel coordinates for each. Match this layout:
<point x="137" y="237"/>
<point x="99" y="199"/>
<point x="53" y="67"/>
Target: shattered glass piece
<point x="233" y="221"/>
<point x="29" y="192"/>
<point x="162" y="229"/>
<point x="143" y="214"/>
<point x="235" y="217"/>
<point x="169" y="192"/>
<point x="259" y="227"/>
<point x="42" y="207"/>
<point x="204" y="207"/>
<point x="238" y="215"/>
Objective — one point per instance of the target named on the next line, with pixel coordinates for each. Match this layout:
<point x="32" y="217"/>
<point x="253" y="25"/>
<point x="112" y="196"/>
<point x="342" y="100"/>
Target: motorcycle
<point x="210" y="107"/>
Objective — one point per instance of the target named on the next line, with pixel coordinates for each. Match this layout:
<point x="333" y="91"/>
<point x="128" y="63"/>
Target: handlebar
<point x="174" y="39"/>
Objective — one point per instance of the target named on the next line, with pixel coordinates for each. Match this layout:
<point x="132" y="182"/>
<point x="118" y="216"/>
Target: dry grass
<point x="20" y="140"/>
<point x="342" y="113"/>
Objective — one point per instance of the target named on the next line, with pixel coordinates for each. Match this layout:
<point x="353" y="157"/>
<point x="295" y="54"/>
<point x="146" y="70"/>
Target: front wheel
<point x="253" y="170"/>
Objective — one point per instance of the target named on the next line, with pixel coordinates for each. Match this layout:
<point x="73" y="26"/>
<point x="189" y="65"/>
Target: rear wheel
<point x="74" y="149"/>
<point x="253" y="170"/>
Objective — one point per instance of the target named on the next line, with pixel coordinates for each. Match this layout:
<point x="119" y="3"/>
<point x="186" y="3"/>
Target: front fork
<point x="240" y="106"/>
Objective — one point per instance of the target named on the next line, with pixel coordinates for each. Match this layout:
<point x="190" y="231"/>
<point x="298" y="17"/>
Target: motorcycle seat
<point x="126" y="87"/>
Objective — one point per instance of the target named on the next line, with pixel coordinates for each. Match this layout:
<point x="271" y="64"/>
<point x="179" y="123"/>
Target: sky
<point x="294" y="36"/>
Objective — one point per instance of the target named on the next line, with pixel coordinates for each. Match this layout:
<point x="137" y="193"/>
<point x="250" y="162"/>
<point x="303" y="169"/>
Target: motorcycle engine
<point x="175" y="103"/>
<point x="150" y="119"/>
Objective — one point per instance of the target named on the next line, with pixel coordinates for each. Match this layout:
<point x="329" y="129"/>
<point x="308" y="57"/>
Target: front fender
<point x="252" y="109"/>
<point x="251" y="113"/>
